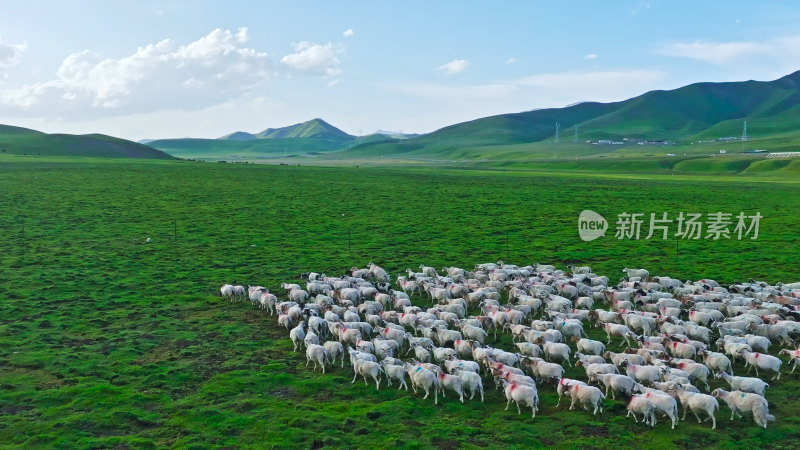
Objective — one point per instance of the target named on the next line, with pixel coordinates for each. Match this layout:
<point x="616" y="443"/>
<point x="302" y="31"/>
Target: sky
<point x="168" y="69"/>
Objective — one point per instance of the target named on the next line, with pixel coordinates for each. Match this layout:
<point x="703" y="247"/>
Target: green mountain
<point x="303" y="139"/>
<point x="315" y="128"/>
<point x="238" y="136"/>
<point x="24" y="141"/>
<point x="700" y="111"/>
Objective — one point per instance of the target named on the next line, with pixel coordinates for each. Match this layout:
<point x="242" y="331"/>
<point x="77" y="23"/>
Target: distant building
<point x="755" y="150"/>
<point x="784" y="155"/>
<point x="723" y="151"/>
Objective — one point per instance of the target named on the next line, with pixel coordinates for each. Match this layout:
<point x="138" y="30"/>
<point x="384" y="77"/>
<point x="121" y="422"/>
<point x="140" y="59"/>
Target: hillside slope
<point x="24" y="141"/>
<point x="696" y="111"/>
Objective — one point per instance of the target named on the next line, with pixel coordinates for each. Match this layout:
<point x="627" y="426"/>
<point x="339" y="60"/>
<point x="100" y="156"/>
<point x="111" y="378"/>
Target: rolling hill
<point x="24" y="141"/>
<point x="700" y="111"/>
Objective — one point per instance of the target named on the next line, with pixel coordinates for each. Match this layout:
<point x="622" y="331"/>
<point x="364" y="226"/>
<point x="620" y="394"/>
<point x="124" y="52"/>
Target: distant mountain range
<point x="24" y="141"/>
<point x="696" y="112"/>
<point x="308" y="138"/>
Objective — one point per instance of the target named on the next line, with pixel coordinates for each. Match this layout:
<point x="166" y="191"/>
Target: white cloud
<point x="590" y="56"/>
<point x="314" y="59"/>
<point x="10" y="55"/>
<point x="511" y="60"/>
<point x="348" y="32"/>
<point x="454" y="66"/>
<point x="593" y="86"/>
<point x="766" y="59"/>
<point x="157" y="76"/>
<point x="785" y="48"/>
<point x="638" y="7"/>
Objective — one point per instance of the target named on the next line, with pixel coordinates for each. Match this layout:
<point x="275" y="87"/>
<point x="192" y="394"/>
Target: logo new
<point x="591" y="225"/>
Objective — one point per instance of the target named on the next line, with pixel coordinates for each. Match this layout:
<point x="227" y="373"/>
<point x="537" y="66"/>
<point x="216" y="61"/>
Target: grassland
<point x="106" y="340"/>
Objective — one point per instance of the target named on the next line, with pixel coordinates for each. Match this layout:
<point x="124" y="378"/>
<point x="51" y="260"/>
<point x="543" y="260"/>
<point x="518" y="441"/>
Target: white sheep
<point x="592" y="370"/>
<point x="664" y="403"/>
<point x="590" y="359"/>
<point x="528" y="349"/>
<point x="696" y="371"/>
<point x="471" y="381"/>
<point x="745" y="384"/>
<point x="616" y="383"/>
<point x="556" y="351"/>
<point x="615" y="329"/>
<point x="640" y="404"/>
<point x="521" y="393"/>
<point x="636" y="273"/>
<point x="311" y="338"/>
<point x="424" y="379"/>
<point x="473" y="333"/>
<point x="587" y="396"/>
<point x="794" y="357"/>
<point x="763" y="362"/>
<point x="459" y="364"/>
<point x="452" y="382"/>
<point x="747" y="403"/>
<point x="545" y="371"/>
<point x="679" y="349"/>
<point x="697" y="403"/>
<point x="318" y="354"/>
<point x="588" y="346"/>
<point x="563" y="386"/>
<point x="335" y="350"/>
<point x="394" y="372"/>
<point x="642" y="373"/>
<point x="717" y="362"/>
<point x="297" y="335"/>
<point x="364" y="368"/>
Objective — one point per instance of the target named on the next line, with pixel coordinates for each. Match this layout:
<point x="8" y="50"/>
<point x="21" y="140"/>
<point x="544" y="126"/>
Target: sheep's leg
<point x="634" y="416"/>
<point x="559" y="400"/>
<point x="481" y="394"/>
<point x="323" y="368"/>
<point x="696" y="415"/>
<point x="377" y="383"/>
<point x="365" y="380"/>
<point x="572" y="404"/>
<point x="519" y="411"/>
<point x="684" y="412"/>
<point x="508" y="403"/>
<point x="427" y="392"/>
<point x="355" y="375"/>
<point x="713" y="420"/>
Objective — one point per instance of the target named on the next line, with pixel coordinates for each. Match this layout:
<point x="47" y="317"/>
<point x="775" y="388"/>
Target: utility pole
<point x="575" y="138"/>
<point x="558" y="125"/>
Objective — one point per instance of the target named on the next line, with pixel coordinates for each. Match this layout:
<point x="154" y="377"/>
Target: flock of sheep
<point x="668" y="328"/>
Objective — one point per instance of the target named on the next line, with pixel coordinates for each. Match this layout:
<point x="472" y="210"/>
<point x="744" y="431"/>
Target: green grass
<point x="108" y="341"/>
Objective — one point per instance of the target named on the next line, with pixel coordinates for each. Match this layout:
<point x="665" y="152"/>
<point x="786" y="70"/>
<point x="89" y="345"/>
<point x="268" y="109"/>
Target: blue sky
<point x="203" y="69"/>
